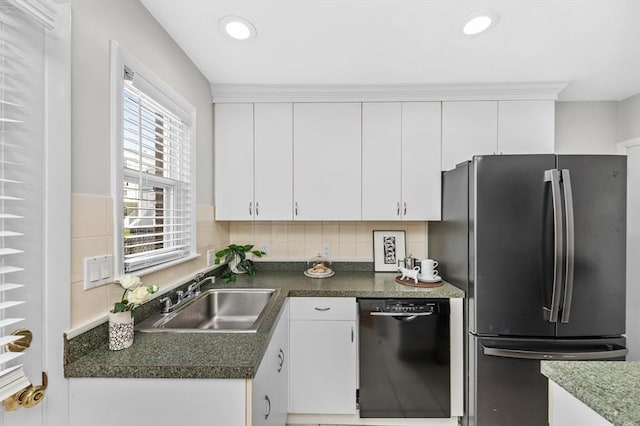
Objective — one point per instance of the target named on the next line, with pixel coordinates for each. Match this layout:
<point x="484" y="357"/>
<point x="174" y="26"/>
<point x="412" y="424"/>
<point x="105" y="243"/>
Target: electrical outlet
<point x="211" y="257"/>
<point x="265" y="247"/>
<point x="326" y="250"/>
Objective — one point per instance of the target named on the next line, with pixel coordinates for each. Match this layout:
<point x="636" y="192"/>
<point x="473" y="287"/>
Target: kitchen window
<point x="154" y="167"/>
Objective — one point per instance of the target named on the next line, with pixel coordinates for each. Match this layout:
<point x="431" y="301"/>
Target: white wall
<point x="94" y="24"/>
<point x="586" y="127"/>
<point x="629" y="129"/>
<point x="629" y="118"/>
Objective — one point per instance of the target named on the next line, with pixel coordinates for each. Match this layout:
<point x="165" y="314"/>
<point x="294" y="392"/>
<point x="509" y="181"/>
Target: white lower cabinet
<point x="323" y="342"/>
<point x="567" y="410"/>
<point x="158" y="402"/>
<point x="269" y="393"/>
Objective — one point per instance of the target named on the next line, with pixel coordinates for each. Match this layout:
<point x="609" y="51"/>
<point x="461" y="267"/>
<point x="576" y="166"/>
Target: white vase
<point x="120" y="330"/>
<point x="233" y="265"/>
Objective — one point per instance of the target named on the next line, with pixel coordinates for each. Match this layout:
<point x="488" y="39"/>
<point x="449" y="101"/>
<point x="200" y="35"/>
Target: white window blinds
<point x="21" y="164"/>
<point x="157" y="190"/>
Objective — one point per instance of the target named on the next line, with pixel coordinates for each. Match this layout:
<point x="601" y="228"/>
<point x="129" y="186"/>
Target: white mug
<point x="428" y="268"/>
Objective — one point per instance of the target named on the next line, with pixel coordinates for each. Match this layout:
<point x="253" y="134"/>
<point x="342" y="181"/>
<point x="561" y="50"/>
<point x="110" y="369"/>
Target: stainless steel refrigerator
<point x="538" y="243"/>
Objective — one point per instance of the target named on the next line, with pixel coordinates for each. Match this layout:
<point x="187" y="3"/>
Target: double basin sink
<point x="222" y="310"/>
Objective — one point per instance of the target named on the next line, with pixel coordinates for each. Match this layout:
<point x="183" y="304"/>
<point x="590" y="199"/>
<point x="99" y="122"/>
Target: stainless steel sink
<point x="228" y="310"/>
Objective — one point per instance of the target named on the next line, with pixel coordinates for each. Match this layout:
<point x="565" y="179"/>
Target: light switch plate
<point x="98" y="270"/>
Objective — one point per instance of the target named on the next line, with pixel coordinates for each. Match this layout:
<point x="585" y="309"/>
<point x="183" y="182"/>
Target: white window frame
<point x="119" y="59"/>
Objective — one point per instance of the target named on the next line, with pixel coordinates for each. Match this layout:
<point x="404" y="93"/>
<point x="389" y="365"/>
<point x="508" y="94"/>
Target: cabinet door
<point x="468" y="129"/>
<point x="327" y="171"/>
<point x="270" y="386"/>
<point x="234" y="161"/>
<point x="421" y="154"/>
<point x="323" y="367"/>
<point x="526" y="127"/>
<point x="273" y="163"/>
<point x="381" y="160"/>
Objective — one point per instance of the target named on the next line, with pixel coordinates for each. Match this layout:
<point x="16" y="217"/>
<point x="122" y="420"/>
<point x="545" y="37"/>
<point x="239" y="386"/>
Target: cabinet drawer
<point x="323" y="308"/>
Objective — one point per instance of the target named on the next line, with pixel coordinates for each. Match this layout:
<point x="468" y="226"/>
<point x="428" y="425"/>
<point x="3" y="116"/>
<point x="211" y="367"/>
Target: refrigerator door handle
<point x="542" y="355"/>
<point x="553" y="176"/>
<point x="570" y="234"/>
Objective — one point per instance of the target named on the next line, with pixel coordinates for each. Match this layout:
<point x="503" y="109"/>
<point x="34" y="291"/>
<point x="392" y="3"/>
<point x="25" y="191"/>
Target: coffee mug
<point x="428" y="268"/>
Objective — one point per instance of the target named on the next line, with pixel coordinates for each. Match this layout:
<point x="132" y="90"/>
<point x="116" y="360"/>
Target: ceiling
<point x="594" y="45"/>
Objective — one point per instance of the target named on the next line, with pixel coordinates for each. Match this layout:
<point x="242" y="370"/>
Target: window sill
<point x="160" y="267"/>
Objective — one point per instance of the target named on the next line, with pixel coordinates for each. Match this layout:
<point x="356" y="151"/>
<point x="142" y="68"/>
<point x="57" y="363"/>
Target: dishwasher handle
<point x="544" y="355"/>
<point x="406" y="317"/>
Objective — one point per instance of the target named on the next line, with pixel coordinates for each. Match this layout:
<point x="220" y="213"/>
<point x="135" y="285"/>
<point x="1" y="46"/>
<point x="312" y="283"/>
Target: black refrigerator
<point x="538" y="243"/>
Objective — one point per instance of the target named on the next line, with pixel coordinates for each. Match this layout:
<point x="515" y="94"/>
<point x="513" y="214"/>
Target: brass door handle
<point x="21" y="344"/>
<point x="28" y="397"/>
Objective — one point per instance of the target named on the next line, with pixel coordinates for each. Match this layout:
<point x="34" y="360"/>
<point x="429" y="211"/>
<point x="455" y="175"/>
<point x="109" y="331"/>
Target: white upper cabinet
<point x="468" y="129"/>
<point x="253" y="161"/>
<point x="401" y="161"/>
<point x="526" y="127"/>
<point x="327" y="161"/>
<point x="381" y="161"/>
<point x="234" y="161"/>
<point x="421" y="153"/>
<point x="496" y="127"/>
<point x="273" y="161"/>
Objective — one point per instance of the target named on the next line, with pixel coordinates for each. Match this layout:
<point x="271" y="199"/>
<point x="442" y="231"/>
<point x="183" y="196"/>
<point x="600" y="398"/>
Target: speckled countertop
<point x="610" y="388"/>
<point x="211" y="355"/>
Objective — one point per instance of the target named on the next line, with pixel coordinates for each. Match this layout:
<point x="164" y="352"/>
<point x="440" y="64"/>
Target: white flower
<point x="139" y="295"/>
<point x="129" y="282"/>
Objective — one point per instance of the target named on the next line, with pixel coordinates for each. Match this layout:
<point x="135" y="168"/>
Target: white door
<point x="273" y="165"/>
<point x="322" y="374"/>
<point x="233" y="143"/>
<point x="381" y="160"/>
<point x="41" y="202"/>
<point x="633" y="253"/>
<point x="421" y="142"/>
<point x="327" y="161"/>
<point x="526" y="127"/>
<point x="468" y="129"/>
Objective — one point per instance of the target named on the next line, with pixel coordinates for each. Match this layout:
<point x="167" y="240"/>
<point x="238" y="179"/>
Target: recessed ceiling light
<point x="479" y="23"/>
<point x="237" y="28"/>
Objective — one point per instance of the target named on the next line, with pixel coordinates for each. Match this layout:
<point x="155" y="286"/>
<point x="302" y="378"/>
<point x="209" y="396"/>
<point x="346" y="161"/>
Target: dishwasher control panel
<point x="406" y="306"/>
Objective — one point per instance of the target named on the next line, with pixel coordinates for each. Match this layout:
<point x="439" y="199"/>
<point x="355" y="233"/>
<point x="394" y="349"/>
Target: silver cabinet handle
<point x="569" y="230"/>
<point x="296" y="209"/>
<point x="553" y="176"/>
<point x="267" y="407"/>
<point x="524" y="354"/>
<point x="322" y="309"/>
<point x="352" y="334"/>
<point x="250" y="208"/>
<point x="280" y="360"/>
<point x="257" y="209"/>
<point x="405" y="208"/>
<point x="398" y="208"/>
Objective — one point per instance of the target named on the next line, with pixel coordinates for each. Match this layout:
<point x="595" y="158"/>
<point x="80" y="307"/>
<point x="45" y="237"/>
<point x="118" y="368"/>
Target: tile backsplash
<point x="92" y="235"/>
<point x="348" y="241"/>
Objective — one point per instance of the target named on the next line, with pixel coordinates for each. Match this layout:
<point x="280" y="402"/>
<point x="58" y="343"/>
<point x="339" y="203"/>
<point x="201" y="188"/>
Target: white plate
<point x="327" y="274"/>
<point x="430" y="280"/>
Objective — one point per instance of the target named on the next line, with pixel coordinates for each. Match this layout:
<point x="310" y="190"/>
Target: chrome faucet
<point x="193" y="290"/>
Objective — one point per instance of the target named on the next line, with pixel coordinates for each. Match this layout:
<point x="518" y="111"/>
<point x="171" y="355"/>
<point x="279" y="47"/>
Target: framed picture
<point x="388" y="249"/>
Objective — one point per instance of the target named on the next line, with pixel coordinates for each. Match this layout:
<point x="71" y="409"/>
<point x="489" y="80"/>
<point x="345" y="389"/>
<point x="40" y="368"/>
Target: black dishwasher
<point x="404" y="358"/>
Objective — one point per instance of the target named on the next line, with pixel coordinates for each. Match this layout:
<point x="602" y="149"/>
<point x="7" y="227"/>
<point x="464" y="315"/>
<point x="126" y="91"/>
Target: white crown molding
<point x="43" y="11"/>
<point x="230" y="93"/>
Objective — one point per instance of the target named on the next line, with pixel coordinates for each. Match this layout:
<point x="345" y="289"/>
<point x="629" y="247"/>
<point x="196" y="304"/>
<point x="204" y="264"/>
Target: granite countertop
<point x="229" y="355"/>
<point x="610" y="388"/>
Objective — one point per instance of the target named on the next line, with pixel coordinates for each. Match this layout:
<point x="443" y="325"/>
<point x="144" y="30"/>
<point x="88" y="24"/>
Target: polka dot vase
<point x="120" y="330"/>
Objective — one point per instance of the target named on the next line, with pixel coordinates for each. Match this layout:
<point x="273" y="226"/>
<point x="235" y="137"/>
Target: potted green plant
<point x="237" y="263"/>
